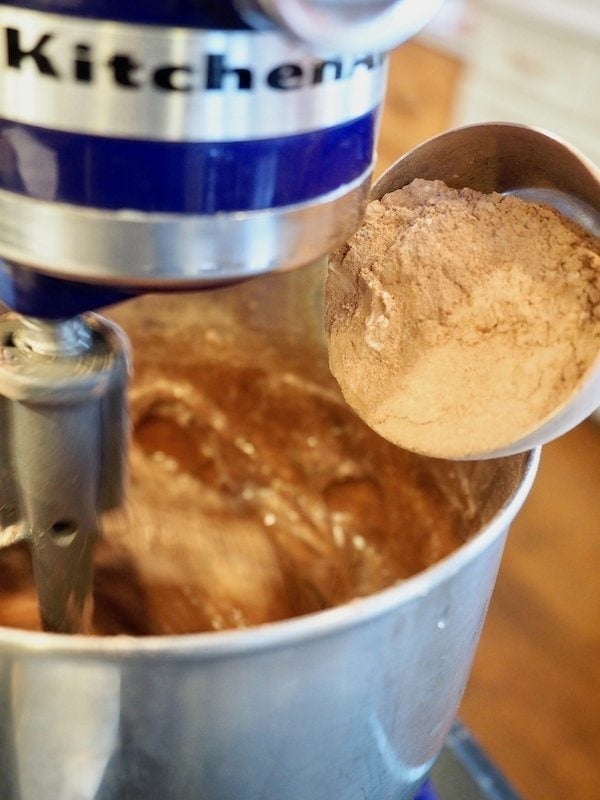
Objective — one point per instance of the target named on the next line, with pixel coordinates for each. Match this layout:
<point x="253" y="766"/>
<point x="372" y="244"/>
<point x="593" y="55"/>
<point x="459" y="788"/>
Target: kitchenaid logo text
<point x="213" y="72"/>
<point x="174" y="84"/>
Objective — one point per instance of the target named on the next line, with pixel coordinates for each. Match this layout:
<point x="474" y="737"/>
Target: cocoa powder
<point x="458" y="321"/>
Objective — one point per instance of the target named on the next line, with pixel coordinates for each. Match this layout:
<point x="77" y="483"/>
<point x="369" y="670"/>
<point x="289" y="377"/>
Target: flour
<point x="458" y="321"/>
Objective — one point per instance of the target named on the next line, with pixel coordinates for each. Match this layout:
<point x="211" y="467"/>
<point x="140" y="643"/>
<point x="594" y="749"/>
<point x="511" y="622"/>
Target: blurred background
<point x="533" y="700"/>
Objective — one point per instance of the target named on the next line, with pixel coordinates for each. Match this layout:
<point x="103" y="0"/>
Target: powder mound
<point x="458" y="321"/>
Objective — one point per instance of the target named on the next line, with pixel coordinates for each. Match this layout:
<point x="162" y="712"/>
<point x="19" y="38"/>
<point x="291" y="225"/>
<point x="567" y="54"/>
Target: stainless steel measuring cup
<point x="536" y="166"/>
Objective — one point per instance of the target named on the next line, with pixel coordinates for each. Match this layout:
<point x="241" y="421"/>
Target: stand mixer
<point x="147" y="147"/>
<point x="155" y="146"/>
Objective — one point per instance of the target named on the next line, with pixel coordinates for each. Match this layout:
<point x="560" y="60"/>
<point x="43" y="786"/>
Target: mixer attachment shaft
<point x="63" y="430"/>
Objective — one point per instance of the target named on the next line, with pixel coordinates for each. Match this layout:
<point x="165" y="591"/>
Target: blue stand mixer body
<point x="168" y="145"/>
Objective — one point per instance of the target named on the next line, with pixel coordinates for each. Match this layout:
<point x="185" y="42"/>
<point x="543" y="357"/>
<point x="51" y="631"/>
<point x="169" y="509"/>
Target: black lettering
<point x="287" y="76"/>
<point x="334" y="68"/>
<point x="122" y="66"/>
<point x="83" y="71"/>
<point x="167" y="78"/>
<point x="129" y="72"/>
<point x="16" y="55"/>
<point x="217" y="70"/>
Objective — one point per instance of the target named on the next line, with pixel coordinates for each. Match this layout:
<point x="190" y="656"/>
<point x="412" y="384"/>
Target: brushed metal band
<point x="128" y="248"/>
<point x="175" y="84"/>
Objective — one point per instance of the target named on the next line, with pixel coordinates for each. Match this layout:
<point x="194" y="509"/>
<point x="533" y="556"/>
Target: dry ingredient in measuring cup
<point x="458" y="321"/>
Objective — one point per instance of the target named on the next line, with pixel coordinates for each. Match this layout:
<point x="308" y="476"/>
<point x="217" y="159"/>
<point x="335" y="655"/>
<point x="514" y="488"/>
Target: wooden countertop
<point x="533" y="700"/>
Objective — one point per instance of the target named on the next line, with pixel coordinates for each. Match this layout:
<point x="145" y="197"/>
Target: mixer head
<point x="150" y="146"/>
